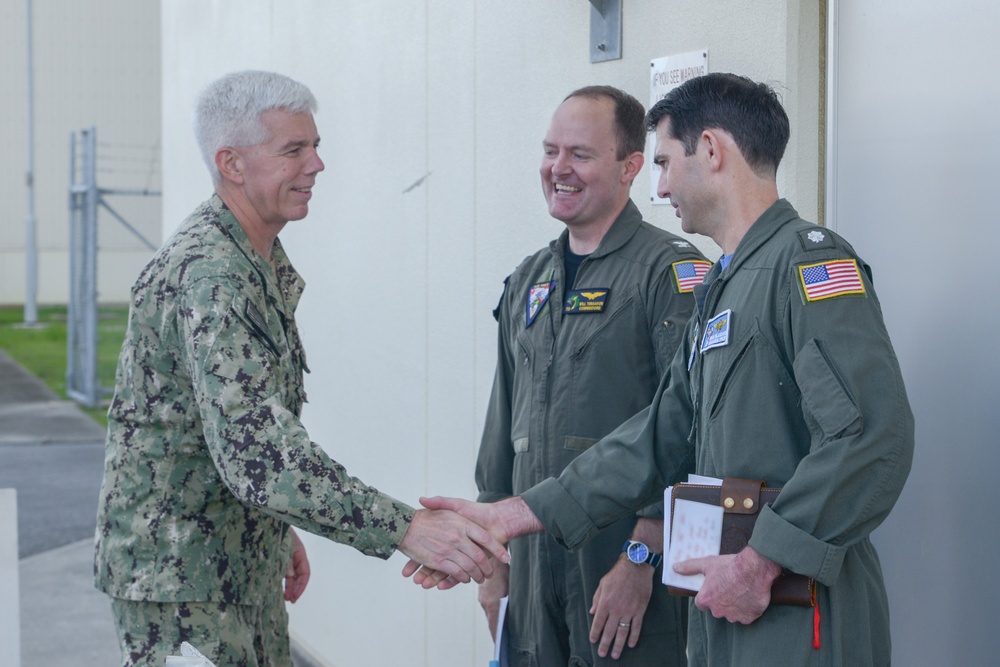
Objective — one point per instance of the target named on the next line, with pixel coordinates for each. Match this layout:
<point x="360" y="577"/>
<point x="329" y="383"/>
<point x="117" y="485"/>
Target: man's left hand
<point x="737" y="587"/>
<point x="621" y="598"/>
<point x="297" y="575"/>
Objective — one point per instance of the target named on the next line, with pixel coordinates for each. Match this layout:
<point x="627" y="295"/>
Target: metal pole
<point x="73" y="307"/>
<point x="30" y="242"/>
<point x="90" y="383"/>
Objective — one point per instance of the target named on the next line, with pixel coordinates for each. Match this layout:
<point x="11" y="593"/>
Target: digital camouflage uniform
<point x="207" y="462"/>
<point x="797" y="387"/>
<point x="568" y="372"/>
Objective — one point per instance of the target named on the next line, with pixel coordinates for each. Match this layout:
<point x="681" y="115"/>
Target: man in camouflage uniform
<point x="207" y="462"/>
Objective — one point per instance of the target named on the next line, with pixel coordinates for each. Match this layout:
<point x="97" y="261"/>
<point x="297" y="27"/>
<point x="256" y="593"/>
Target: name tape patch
<point x="587" y="300"/>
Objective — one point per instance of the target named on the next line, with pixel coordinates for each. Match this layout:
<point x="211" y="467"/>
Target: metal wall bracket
<point x="605" y="30"/>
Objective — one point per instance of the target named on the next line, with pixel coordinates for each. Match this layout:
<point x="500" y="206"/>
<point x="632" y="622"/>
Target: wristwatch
<point x="639" y="553"/>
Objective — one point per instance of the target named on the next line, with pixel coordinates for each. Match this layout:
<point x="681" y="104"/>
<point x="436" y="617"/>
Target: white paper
<point x="704" y="481"/>
<point x="189" y="657"/>
<point x="696" y="532"/>
<point x="500" y="658"/>
<point x="667" y="495"/>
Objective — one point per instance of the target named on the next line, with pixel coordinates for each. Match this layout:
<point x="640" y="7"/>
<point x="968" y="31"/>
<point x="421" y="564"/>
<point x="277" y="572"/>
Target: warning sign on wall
<point x="665" y="74"/>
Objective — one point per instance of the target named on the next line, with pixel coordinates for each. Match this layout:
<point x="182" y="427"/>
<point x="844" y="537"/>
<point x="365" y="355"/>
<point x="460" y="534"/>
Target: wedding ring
<point x="624" y="625"/>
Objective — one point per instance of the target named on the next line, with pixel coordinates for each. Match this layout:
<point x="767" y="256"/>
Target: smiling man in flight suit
<point x="587" y="327"/>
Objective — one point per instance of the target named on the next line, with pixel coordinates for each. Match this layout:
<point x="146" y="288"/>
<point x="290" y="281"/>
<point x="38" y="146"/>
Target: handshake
<point x="451" y="540"/>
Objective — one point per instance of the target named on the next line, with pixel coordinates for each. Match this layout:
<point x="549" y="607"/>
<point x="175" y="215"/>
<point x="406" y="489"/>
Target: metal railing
<point x="85" y="197"/>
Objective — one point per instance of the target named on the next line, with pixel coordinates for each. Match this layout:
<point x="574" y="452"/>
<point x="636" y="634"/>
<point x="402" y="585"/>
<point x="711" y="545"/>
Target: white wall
<point x="916" y="148"/>
<point x="397" y="315"/>
<point x="96" y="64"/>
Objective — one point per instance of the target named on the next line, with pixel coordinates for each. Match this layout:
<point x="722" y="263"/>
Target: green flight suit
<point x="207" y="462"/>
<point x="563" y="381"/>
<point x="795" y="386"/>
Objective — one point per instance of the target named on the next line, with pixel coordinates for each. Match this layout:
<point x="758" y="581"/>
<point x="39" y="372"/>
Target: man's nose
<point x="662" y="187"/>
<point x="561" y="164"/>
<point x="315" y="164"/>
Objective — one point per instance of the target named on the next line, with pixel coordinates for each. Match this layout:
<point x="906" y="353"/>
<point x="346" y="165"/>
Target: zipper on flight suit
<point x="696" y="371"/>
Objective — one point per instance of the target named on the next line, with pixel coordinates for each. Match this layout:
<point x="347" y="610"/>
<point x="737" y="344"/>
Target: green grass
<point x="42" y="349"/>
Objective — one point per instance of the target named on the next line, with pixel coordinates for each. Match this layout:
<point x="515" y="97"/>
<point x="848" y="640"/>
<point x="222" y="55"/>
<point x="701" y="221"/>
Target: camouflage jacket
<point x="207" y="462"/>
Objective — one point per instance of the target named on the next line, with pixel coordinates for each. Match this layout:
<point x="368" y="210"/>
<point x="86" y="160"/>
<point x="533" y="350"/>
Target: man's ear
<point x="230" y="165"/>
<point x="716" y="144"/>
<point x="633" y="164"/>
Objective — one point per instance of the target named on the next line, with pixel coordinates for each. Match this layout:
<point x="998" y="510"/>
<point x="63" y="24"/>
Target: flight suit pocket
<point x="523" y="382"/>
<point x="576" y="444"/>
<point x="614" y="326"/>
<point x="729" y="373"/>
<point x="824" y="395"/>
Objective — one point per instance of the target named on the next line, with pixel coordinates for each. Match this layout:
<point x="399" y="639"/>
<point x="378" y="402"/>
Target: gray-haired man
<point x="207" y="462"/>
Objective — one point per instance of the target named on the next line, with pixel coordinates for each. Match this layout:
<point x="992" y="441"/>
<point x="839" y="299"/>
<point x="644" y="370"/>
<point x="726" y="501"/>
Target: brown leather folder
<point x="741" y="500"/>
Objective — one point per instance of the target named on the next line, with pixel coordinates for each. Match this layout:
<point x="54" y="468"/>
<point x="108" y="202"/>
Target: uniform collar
<point x="620" y="232"/>
<point x="282" y="283"/>
<point x="767" y="225"/>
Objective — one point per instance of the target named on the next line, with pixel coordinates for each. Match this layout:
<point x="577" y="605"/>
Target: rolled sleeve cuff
<point x="795" y="549"/>
<point x="559" y="512"/>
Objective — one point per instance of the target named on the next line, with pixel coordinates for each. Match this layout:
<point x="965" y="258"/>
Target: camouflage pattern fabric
<point x="230" y="635"/>
<point x="207" y="462"/>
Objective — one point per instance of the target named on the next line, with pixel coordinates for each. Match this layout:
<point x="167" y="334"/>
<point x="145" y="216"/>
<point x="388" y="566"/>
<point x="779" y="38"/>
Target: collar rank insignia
<point x="587" y="300"/>
<point x="717" y="331"/>
<point x="829" y="279"/>
<point x="690" y="273"/>
<point x="537" y="296"/>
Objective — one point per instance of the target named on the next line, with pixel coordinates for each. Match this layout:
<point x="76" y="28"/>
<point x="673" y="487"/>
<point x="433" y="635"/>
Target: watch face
<point x="637" y="552"/>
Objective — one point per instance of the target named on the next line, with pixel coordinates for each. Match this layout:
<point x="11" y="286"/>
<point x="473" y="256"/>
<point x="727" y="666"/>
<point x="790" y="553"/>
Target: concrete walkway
<point x="53" y="455"/>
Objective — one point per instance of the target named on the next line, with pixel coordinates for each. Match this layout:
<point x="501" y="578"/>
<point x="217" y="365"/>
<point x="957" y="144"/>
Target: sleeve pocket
<point x="824" y="396"/>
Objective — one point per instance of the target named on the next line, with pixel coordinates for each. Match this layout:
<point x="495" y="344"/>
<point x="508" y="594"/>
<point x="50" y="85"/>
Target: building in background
<point x="96" y="64"/>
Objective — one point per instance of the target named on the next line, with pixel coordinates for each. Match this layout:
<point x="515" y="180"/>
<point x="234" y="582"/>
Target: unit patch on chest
<point x="586" y="300"/>
<point x="537" y="296"/>
<point x="717" y="331"/>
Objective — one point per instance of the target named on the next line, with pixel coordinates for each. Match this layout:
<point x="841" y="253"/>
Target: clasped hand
<point x="485" y="521"/>
<point x="448" y="547"/>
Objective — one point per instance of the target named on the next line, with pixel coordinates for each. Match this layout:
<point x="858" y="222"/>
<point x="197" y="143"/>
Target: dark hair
<point x="751" y="112"/>
<point x="630" y="132"/>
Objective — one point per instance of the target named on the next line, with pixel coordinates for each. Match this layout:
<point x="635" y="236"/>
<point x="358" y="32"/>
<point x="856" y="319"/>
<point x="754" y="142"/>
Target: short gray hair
<point x="228" y="111"/>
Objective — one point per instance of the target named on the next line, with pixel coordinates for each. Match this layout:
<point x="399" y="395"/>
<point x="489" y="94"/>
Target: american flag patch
<point x="829" y="279"/>
<point x="690" y="273"/>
